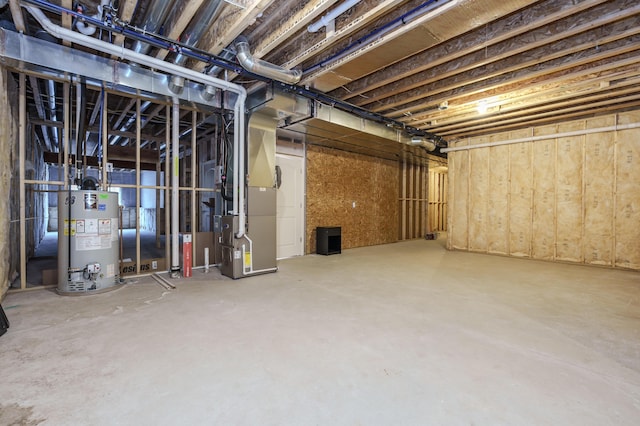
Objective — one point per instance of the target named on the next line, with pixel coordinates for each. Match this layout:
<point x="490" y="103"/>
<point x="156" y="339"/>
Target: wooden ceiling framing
<point x="526" y="62"/>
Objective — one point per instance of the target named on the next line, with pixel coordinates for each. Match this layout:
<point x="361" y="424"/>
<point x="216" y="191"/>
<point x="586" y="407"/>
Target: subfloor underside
<point x="405" y="333"/>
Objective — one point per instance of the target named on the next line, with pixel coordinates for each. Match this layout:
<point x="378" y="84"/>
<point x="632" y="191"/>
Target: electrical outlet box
<point x="109" y="167"/>
<point x="218" y="175"/>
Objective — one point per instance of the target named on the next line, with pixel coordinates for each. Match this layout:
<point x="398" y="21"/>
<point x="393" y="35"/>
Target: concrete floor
<point x="401" y="334"/>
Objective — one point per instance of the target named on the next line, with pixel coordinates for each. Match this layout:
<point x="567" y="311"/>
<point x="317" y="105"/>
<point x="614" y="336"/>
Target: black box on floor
<point x="328" y="240"/>
<point x="4" y="322"/>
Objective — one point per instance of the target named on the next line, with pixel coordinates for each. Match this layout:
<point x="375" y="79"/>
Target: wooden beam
<point x="474" y="84"/>
<point x="119" y="162"/>
<point x="66" y="19"/>
<point x="16" y="14"/>
<point x="475" y="41"/>
<point x="513" y="55"/>
<point x="608" y="96"/>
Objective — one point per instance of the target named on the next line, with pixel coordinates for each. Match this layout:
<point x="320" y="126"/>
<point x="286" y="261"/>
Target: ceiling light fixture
<point x="482" y="107"/>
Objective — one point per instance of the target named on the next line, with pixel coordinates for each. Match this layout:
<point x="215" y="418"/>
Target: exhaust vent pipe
<point x="263" y="68"/>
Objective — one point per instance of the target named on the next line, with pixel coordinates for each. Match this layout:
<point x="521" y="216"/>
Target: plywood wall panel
<point x="459" y="222"/>
<point x="569" y="189"/>
<point x="479" y="181"/>
<point x="335" y="181"/>
<point x="498" y="200"/>
<point x="599" y="177"/>
<point x="520" y="186"/>
<point x="627" y="182"/>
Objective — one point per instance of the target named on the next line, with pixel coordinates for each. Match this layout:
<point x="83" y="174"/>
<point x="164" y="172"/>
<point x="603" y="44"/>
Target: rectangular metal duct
<point x="27" y="53"/>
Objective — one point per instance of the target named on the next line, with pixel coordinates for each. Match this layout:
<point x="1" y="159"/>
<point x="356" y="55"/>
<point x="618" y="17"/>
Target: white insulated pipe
<point x="545" y="137"/>
<point x="332" y="15"/>
<point x="172" y="69"/>
<point x="175" y="182"/>
<point x="88" y="29"/>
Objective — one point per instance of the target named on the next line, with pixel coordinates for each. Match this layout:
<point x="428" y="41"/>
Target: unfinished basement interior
<point x="327" y="212"/>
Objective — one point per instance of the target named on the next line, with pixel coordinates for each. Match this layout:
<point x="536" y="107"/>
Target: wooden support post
<point x="167" y="180"/>
<point x="22" y="147"/>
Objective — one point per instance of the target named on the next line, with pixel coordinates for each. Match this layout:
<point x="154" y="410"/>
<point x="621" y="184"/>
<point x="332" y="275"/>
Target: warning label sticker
<point x="69" y="227"/>
<point x="104" y="227"/>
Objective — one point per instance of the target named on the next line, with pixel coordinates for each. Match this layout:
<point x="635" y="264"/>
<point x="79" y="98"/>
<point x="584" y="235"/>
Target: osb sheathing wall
<point x="336" y="180"/>
<point x="8" y="145"/>
<point x="573" y="198"/>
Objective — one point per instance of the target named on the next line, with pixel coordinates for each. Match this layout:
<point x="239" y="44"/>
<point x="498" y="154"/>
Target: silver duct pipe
<point x="226" y="54"/>
<point x="214" y="71"/>
<point x="206" y="15"/>
<point x="264" y="68"/>
<point x="172" y="69"/>
<point x="51" y="94"/>
<point x="152" y="22"/>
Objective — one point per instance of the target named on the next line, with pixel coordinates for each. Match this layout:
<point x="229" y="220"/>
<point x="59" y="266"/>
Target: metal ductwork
<point x="153" y="22"/>
<point x="206" y="16"/>
<point x="427" y="144"/>
<point x="264" y="68"/>
<point x="192" y="34"/>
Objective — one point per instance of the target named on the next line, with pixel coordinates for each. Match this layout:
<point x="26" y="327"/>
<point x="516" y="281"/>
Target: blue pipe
<point x="401" y="20"/>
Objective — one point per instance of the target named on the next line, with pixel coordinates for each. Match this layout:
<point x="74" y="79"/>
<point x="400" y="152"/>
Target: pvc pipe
<point x="88" y="29"/>
<point x="85" y="28"/>
<point x="175" y="168"/>
<point x="332" y="15"/>
<point x="545" y="137"/>
<point x="206" y="259"/>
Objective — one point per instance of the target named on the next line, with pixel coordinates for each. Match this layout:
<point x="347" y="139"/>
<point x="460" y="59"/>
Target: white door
<point x="290" y="207"/>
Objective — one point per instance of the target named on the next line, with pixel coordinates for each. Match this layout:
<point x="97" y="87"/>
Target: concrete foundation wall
<point x="573" y="198"/>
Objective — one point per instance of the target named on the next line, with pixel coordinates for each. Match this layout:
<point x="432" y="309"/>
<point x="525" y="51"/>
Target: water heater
<point x="87" y="242"/>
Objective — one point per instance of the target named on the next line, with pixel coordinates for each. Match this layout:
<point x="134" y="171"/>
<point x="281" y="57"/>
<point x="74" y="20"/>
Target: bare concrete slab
<point x="406" y="333"/>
